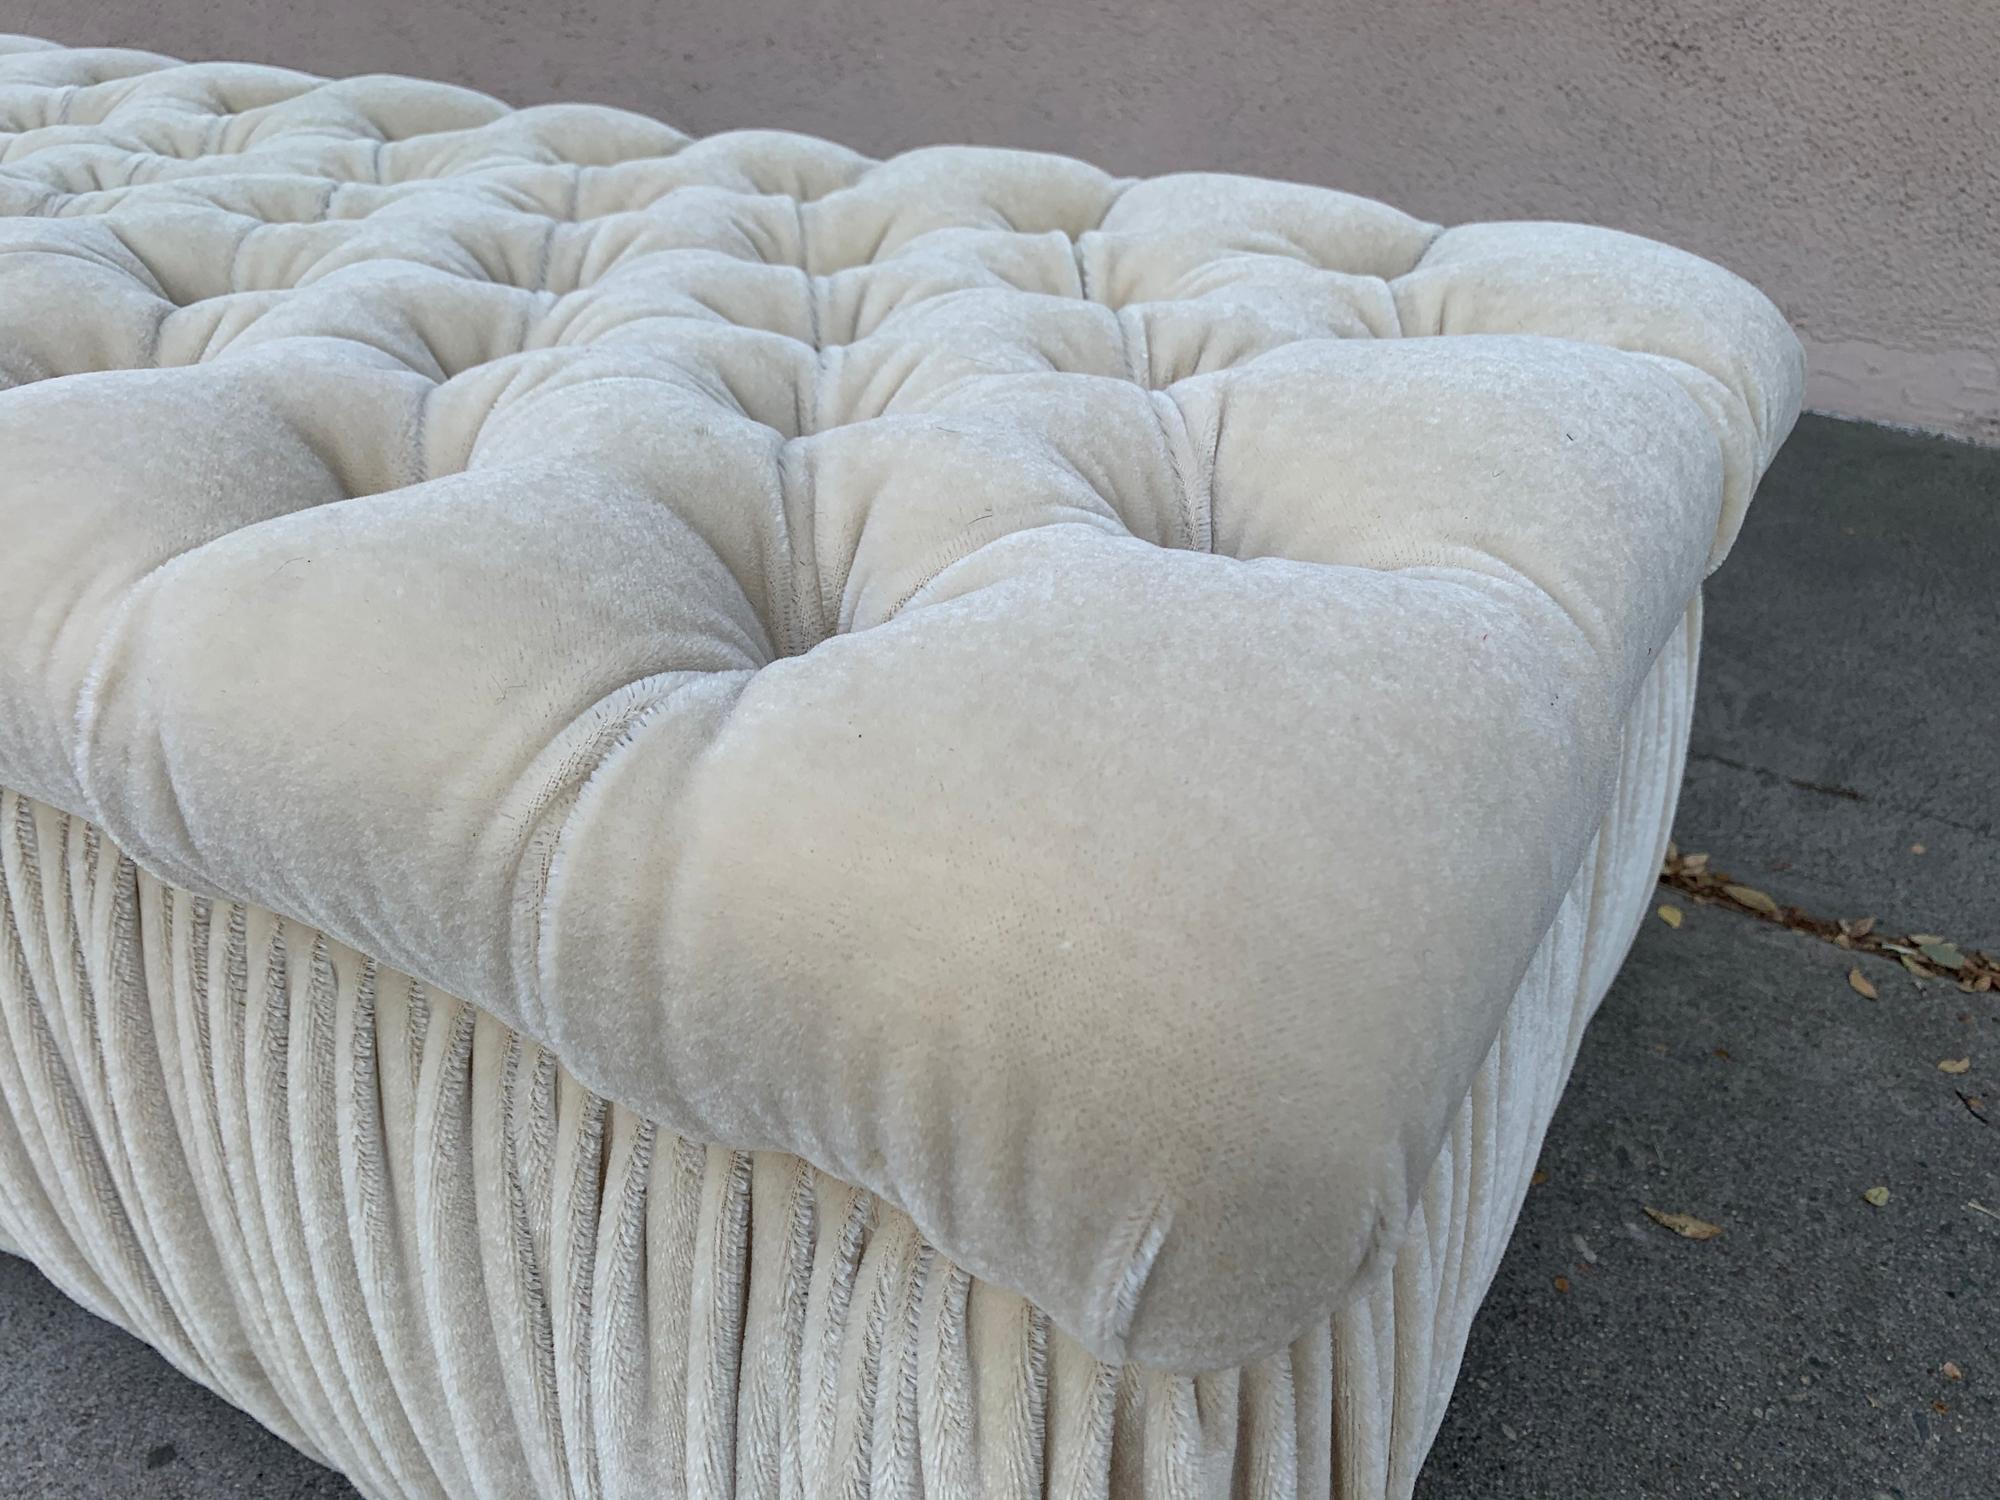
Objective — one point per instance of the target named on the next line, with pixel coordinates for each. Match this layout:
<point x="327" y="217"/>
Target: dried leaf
<point x="1562" y="1283"/>
<point x="1916" y="848"/>
<point x="1952" y="1371"/>
<point x="1860" y="984"/>
<point x="1538" y="1179"/>
<point x="1862" y="928"/>
<point x="1750" y="896"/>
<point x="1912" y="965"/>
<point x="1687" y="1226"/>
<point x="1694" y="864"/>
<point x="1955" y="1065"/>
<point x="1940" y="1408"/>
<point x="1879" y="1196"/>
<point x="1671" y="915"/>
<point x="1944" y="955"/>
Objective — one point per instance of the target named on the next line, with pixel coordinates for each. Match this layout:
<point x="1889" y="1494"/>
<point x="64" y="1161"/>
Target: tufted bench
<point x="705" y="816"/>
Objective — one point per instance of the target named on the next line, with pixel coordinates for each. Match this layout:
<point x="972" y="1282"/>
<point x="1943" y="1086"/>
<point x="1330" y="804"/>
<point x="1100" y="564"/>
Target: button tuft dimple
<point x="1025" y="639"/>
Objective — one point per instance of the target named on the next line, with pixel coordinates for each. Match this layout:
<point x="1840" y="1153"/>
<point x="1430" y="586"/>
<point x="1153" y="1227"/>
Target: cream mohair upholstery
<point x="1100" y="738"/>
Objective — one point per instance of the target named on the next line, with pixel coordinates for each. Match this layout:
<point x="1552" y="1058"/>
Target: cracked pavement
<point x="1849" y="710"/>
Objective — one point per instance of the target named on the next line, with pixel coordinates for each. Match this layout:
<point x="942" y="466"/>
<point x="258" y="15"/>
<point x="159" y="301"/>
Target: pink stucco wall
<point x="1843" y="154"/>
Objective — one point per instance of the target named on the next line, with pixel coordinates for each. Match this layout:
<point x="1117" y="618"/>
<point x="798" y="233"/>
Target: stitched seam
<point x="1191" y="536"/>
<point x="544" y="255"/>
<point x="1140" y="375"/>
<point x="1214" y="453"/>
<point x="612" y="740"/>
<point x="805" y="419"/>
<point x="1118" y="1302"/>
<point x="84" y="715"/>
<point x="801" y="554"/>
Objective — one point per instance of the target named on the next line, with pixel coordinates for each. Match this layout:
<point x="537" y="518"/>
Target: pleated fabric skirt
<point x="401" y="1236"/>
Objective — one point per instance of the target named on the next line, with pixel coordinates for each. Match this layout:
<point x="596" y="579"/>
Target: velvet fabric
<point x="404" y="1237"/>
<point x="1073" y="705"/>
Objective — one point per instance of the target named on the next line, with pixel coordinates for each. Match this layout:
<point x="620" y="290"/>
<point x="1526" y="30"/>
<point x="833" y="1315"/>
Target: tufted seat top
<point x="1068" y="701"/>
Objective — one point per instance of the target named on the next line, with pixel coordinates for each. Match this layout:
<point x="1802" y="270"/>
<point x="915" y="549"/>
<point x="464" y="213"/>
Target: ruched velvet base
<point x="405" y="1239"/>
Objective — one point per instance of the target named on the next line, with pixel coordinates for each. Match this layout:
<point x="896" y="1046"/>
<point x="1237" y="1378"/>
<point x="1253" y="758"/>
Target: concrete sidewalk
<point x="1850" y="710"/>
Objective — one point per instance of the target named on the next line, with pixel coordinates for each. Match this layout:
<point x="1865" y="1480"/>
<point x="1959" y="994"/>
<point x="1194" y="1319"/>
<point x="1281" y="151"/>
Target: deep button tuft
<point x="980" y="610"/>
<point x="541" y="266"/>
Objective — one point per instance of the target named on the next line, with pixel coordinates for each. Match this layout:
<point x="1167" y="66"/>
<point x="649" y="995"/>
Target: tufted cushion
<point x="1066" y="701"/>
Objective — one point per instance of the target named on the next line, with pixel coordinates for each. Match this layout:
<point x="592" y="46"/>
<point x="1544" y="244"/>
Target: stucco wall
<point x="1843" y="154"/>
